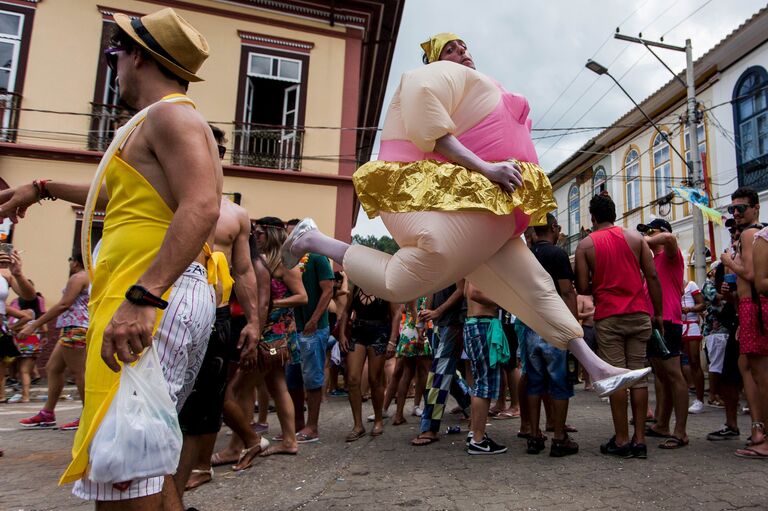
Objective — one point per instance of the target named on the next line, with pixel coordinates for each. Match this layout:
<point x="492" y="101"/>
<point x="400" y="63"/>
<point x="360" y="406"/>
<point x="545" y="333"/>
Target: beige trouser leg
<point x="436" y="250"/>
<point x="440" y="248"/>
<point x="515" y="280"/>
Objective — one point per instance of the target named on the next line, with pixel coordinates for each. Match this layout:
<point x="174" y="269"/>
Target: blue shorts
<point x="310" y="373"/>
<point x="546" y="367"/>
<point x="486" y="379"/>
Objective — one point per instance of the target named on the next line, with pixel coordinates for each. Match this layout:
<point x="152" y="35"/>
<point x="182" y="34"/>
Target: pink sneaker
<point x="70" y="426"/>
<point x="44" y="419"/>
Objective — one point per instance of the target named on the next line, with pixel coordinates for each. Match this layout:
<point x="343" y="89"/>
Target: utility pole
<point x="699" y="261"/>
<point x="694" y="167"/>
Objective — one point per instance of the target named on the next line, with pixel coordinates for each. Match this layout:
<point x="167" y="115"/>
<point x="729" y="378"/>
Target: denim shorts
<point x="546" y="367"/>
<point x="310" y="374"/>
<point x="486" y="379"/>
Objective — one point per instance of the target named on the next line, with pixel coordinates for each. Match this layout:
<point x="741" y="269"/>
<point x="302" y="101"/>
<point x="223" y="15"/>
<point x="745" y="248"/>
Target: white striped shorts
<point x="181" y="341"/>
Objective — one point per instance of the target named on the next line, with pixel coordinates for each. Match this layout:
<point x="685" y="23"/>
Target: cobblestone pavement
<point x="387" y="473"/>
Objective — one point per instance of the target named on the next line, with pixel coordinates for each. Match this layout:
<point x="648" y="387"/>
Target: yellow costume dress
<point x="135" y="224"/>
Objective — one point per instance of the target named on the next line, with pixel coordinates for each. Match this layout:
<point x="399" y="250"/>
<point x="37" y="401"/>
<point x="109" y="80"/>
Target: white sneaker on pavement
<point x="696" y="407"/>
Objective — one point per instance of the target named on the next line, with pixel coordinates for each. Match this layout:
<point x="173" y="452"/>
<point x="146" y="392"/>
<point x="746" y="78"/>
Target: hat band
<point x="152" y="43"/>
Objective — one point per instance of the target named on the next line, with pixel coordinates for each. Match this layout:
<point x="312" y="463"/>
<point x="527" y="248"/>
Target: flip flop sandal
<point x="502" y="416"/>
<point x="399" y="422"/>
<point x="751" y="454"/>
<point x="568" y="429"/>
<point x="421" y="441"/>
<point x="218" y="461"/>
<point x="353" y="436"/>
<point x="377" y="432"/>
<point x="655" y="434"/>
<point x="303" y="438"/>
<point x="273" y="451"/>
<point x="263" y="444"/>
<point x="673" y="443"/>
<point x="210" y="472"/>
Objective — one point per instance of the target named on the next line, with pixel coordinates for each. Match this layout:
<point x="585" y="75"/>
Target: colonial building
<point x="295" y="85"/>
<point x="637" y="166"/>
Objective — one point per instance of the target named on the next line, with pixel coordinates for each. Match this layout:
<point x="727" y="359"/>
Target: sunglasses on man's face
<point x="741" y="208"/>
<point x="110" y="55"/>
<point x="222" y="150"/>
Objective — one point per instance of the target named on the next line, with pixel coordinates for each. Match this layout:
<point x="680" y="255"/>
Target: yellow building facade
<point x="295" y="86"/>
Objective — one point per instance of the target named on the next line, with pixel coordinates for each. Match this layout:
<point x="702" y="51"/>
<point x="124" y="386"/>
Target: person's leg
<point x="522" y="399"/>
<point x="74" y="359"/>
<point x="750" y="387"/>
<point x="526" y="290"/>
<point x="2" y="380"/>
<point x="312" y="367"/>
<point x="501" y="404"/>
<point x="663" y="412"/>
<point x="439" y="380"/>
<point x="676" y="397"/>
<point x="262" y="396"/>
<point x="295" y="383"/>
<point x="25" y="371"/>
<point x="355" y="361"/>
<point x="238" y="412"/>
<point x="275" y="382"/>
<point x="758" y="365"/>
<point x="422" y="368"/>
<point x="729" y="391"/>
<point x="480" y="407"/>
<point x="54" y="370"/>
<point x="560" y="390"/>
<point x="376" y="360"/>
<point x="394" y="382"/>
<point x="694" y="358"/>
<point x="402" y="390"/>
<point x="639" y="399"/>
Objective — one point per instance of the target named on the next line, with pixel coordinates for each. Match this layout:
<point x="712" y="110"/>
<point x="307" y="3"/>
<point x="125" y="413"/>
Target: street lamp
<point x="600" y="69"/>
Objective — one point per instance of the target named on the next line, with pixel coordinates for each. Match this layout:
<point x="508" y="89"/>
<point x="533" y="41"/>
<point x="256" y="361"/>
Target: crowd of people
<point x="480" y="302"/>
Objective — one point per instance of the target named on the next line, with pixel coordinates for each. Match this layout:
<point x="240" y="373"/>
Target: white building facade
<point x="637" y="166"/>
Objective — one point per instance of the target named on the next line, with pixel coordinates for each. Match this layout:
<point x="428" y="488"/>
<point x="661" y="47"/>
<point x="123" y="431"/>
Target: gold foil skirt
<point x="428" y="185"/>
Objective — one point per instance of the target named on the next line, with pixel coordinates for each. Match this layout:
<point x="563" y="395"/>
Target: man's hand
<point x="344" y="343"/>
<point x="727" y="259"/>
<point x="15" y="201"/>
<point x="391" y="348"/>
<point x="129" y="332"/>
<point x="658" y="324"/>
<point x="249" y="339"/>
<point x="505" y="173"/>
<point x="429" y="315"/>
<point x="310" y="327"/>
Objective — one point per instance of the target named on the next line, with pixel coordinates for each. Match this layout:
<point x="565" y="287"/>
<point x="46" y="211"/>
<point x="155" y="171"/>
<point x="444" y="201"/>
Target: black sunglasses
<point x="741" y="208"/>
<point x="222" y="150"/>
<point x="110" y="55"/>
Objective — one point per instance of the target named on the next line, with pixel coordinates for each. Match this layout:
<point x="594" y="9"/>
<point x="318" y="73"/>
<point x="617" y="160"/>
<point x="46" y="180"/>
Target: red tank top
<point x="617" y="282"/>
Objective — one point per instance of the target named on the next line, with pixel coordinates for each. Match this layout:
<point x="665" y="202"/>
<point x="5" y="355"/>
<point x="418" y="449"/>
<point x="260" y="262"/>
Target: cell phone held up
<point x="730" y="279"/>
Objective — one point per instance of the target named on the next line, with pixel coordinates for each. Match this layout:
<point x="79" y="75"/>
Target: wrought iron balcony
<point x="271" y="147"/>
<point x="10" y="103"/>
<point x="105" y="119"/>
<point x="569" y="243"/>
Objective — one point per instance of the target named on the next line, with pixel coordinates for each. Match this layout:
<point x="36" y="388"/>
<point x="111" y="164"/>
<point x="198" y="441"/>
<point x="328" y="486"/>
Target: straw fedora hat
<point x="172" y="41"/>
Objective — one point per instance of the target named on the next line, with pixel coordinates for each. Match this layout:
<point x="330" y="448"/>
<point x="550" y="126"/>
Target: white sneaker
<point x="696" y="407"/>
<point x="384" y="415"/>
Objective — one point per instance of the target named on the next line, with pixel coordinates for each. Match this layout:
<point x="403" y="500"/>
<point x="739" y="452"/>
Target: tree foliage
<point x="385" y="243"/>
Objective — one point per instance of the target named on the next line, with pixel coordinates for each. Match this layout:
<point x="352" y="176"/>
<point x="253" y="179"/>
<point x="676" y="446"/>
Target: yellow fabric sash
<point x="142" y="216"/>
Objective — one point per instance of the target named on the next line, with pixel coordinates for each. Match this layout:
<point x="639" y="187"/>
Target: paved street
<point x="387" y="473"/>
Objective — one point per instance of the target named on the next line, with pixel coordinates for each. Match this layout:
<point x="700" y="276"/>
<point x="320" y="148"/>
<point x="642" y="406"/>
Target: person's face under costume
<point x="456" y="51"/>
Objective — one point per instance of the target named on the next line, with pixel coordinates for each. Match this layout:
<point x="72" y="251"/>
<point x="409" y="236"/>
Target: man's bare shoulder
<point x="586" y="243"/>
<point x="167" y="119"/>
<point x="233" y="220"/>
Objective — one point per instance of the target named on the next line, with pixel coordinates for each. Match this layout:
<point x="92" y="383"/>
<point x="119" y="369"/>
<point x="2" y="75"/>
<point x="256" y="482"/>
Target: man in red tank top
<point x="612" y="264"/>
<point x="671" y="387"/>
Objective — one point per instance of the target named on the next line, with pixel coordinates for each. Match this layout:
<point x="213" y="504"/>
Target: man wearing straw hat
<point x="160" y="182"/>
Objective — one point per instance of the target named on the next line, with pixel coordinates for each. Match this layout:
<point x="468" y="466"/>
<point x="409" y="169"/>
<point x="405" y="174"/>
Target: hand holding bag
<point x="140" y="435"/>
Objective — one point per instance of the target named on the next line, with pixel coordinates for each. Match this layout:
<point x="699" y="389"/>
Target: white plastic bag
<point x="139" y="436"/>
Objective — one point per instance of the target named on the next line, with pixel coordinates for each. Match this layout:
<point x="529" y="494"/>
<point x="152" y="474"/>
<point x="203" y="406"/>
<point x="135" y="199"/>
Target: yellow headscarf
<point x="434" y="46"/>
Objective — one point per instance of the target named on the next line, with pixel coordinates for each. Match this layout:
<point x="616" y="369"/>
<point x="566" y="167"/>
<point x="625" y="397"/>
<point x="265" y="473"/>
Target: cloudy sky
<point x="539" y="49"/>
